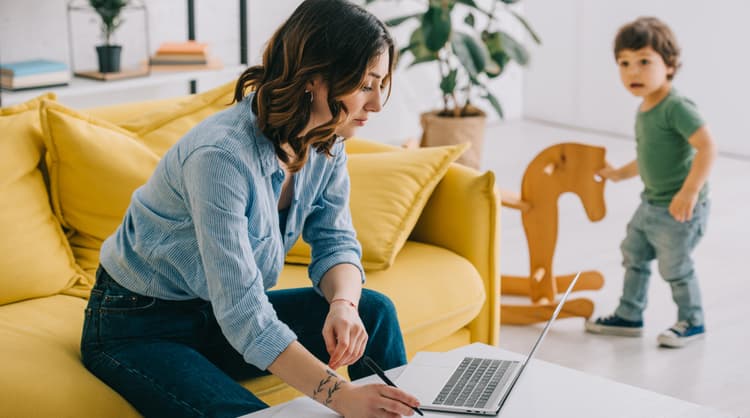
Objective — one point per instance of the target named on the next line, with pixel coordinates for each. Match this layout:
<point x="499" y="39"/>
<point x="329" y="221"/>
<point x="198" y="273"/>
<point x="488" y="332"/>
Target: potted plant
<point x="468" y="59"/>
<point x="109" y="12"/>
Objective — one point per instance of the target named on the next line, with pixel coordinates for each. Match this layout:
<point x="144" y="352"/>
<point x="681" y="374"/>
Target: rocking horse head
<point x="567" y="167"/>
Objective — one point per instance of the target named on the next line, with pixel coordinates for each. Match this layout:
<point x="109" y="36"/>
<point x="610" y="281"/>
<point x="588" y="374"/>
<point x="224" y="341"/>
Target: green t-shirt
<point x="664" y="153"/>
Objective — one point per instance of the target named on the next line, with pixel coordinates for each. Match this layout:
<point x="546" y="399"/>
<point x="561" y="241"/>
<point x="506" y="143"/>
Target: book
<point x="156" y="61"/>
<point x="29" y="67"/>
<point x="33" y="73"/>
<point x="185" y="47"/>
<point x="211" y="64"/>
<point x="181" y="54"/>
<point x="178" y="59"/>
<point x="35" y="80"/>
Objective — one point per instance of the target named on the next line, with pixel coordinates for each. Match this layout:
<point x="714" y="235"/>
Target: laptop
<point x="470" y="385"/>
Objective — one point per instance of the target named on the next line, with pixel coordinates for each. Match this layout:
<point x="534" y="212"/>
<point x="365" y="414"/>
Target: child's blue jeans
<point x="170" y="359"/>
<point x="654" y="234"/>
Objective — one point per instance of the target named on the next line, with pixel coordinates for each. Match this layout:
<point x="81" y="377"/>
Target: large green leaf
<point x="501" y="59"/>
<point x="404" y="50"/>
<point x="473" y="54"/>
<point x="469" y="3"/>
<point x="502" y="42"/>
<point x="526" y="25"/>
<point x="401" y="19"/>
<point x="448" y="83"/>
<point x="495" y="103"/>
<point x="436" y="24"/>
<point x="514" y="49"/>
<point x="418" y="48"/>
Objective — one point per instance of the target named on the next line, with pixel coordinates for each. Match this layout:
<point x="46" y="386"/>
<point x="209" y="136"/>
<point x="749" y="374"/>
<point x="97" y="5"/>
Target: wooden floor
<point x="713" y="372"/>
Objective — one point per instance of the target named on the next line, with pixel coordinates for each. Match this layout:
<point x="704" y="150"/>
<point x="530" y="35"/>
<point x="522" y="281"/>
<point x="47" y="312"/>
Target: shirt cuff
<point x="319" y="269"/>
<point x="266" y="347"/>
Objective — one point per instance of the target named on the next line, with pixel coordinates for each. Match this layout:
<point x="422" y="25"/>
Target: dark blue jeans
<point x="170" y="359"/>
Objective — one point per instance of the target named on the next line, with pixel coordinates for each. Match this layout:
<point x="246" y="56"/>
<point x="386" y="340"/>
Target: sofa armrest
<point x="462" y="216"/>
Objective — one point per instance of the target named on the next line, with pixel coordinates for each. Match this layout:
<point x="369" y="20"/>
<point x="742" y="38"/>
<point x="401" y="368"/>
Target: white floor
<point x="713" y="372"/>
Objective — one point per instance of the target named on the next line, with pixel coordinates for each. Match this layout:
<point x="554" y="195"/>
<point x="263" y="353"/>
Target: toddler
<point x="675" y="153"/>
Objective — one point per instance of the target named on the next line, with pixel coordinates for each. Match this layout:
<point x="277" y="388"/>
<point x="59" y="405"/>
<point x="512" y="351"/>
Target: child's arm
<point x="681" y="207"/>
<point x="627" y="171"/>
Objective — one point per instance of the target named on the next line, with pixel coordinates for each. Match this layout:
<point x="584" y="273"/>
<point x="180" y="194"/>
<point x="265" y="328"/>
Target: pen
<point x="370" y="363"/>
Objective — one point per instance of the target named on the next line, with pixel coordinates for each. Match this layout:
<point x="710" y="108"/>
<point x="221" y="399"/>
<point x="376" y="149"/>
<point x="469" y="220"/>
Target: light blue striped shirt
<point x="206" y="225"/>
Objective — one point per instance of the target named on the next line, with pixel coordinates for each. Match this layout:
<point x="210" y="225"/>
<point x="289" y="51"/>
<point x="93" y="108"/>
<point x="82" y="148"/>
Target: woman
<point x="181" y="307"/>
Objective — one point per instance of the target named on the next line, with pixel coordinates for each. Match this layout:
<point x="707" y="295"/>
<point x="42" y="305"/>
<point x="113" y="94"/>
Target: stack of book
<point x="181" y="56"/>
<point x="33" y="74"/>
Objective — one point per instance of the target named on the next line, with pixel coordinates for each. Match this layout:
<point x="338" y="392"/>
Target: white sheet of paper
<point x="304" y="407"/>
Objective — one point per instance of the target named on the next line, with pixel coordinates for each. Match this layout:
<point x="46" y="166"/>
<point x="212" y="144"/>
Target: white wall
<point x="38" y="28"/>
<point x="573" y="79"/>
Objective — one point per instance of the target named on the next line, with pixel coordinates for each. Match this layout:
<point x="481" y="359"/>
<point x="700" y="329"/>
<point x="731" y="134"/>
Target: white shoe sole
<point x="677" y="342"/>
<point x="595" y="328"/>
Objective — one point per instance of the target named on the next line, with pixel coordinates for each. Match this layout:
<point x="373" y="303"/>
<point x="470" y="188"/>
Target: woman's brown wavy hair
<point x="333" y="39"/>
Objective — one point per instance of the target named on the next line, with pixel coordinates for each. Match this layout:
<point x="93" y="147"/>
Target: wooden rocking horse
<point x="566" y="167"/>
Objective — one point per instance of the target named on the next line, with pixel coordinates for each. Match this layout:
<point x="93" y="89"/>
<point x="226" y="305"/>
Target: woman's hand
<point x="344" y="334"/>
<point x="374" y="400"/>
<point x="682" y="205"/>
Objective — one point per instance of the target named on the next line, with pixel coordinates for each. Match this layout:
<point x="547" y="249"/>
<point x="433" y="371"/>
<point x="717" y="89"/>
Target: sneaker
<point x="614" y="325"/>
<point x="681" y="334"/>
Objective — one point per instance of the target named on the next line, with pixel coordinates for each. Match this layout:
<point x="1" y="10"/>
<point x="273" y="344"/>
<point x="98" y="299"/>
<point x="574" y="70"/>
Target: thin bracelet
<point x="352" y="304"/>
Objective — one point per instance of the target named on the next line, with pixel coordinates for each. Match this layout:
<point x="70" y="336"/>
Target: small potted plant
<point x="468" y="58"/>
<point x="108" y="53"/>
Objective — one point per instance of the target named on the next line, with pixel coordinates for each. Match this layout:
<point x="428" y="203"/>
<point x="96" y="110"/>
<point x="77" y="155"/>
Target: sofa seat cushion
<point x="437" y="292"/>
<point x="40" y="359"/>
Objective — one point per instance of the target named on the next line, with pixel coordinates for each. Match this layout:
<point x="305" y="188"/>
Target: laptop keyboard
<point x="473" y="382"/>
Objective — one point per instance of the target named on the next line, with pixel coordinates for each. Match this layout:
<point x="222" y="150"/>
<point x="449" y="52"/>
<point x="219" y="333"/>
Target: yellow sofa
<point x="444" y="280"/>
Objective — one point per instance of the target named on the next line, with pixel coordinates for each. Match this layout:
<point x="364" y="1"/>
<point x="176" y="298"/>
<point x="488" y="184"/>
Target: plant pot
<point x="109" y="58"/>
<point x="442" y="130"/>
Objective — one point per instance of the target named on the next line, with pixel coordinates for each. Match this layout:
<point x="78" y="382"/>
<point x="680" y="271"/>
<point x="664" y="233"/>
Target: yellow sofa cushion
<point x="161" y="128"/>
<point x="388" y="192"/>
<point x="95" y="165"/>
<point x="35" y="259"/>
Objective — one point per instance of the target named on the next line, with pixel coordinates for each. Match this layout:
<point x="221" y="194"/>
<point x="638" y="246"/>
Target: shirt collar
<point x="269" y="164"/>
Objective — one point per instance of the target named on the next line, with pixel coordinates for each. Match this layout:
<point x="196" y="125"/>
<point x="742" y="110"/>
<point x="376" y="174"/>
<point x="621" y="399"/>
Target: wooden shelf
<point x="82" y="87"/>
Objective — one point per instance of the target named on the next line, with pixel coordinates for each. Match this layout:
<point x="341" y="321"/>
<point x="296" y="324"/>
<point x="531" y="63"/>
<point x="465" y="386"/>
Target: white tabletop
<point x="545" y="390"/>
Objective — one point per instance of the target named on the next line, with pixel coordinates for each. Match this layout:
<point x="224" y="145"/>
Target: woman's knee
<point x="377" y="306"/>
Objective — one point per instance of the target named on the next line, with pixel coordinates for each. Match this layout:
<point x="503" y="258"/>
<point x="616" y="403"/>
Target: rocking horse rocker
<point x="566" y="167"/>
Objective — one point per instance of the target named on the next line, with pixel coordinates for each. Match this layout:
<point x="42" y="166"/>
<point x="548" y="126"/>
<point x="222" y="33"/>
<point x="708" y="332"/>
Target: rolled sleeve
<point x="328" y="228"/>
<point x="218" y="193"/>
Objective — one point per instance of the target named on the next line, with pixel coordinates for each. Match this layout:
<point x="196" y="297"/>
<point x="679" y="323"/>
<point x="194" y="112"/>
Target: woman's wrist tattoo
<point x="330" y="385"/>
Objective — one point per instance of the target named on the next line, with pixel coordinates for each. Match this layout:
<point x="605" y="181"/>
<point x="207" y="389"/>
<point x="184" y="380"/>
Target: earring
<point x="311" y="96"/>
